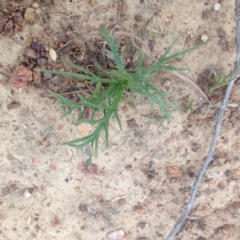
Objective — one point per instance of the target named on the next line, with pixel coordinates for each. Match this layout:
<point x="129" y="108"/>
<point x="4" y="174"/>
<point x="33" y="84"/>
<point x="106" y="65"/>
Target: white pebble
<point x="27" y="194"/>
<point x="204" y="37"/>
<point x="53" y="54"/>
<point x="29" y="220"/>
<point x="217" y="6"/>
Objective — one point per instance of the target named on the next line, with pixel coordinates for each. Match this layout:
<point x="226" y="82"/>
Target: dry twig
<point x="195" y="187"/>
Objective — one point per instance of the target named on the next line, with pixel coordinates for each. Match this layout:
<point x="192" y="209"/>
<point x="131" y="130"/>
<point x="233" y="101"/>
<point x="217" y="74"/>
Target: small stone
<point x="138" y="18"/>
<point x="217" y="6"/>
<point x="142" y="225"/>
<point x="132" y="123"/>
<point x="13" y="105"/>
<point x="233" y="208"/>
<point x="56" y="79"/>
<point x="29" y="15"/>
<point x="47" y="75"/>
<point x="227" y="229"/>
<point x="151" y="44"/>
<point x="138" y="208"/>
<point x="21" y="76"/>
<point x="222" y="33"/>
<point x="35" y="5"/>
<point x="30" y="53"/>
<point x="9" y="27"/>
<point x="61" y="37"/>
<point x="36" y="46"/>
<point x="46" y="17"/>
<point x="42" y="61"/>
<point x="228" y="173"/>
<point x="195" y="146"/>
<point x="206" y="14"/>
<point x="83" y="207"/>
<point x="173" y="180"/>
<point x="70" y="34"/>
<point x="174" y="172"/>
<point x="36" y="75"/>
<point x="89" y="169"/>
<point x="221" y="185"/>
<point x="27" y="193"/>
<point x="191" y="172"/>
<point x="117" y="235"/>
<point x="201" y="238"/>
<point x="204" y="37"/>
<point x="122" y="202"/>
<point x="18" y="17"/>
<point x="53" y="54"/>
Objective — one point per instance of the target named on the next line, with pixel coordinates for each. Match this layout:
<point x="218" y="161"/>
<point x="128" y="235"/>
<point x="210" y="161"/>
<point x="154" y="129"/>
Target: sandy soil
<point x="144" y="178"/>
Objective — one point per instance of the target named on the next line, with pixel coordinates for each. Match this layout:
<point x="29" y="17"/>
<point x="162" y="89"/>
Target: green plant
<point x="110" y="88"/>
<point x="218" y="81"/>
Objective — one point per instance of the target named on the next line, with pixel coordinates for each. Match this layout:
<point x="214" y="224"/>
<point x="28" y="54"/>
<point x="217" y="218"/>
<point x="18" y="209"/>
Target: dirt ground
<point x="143" y="181"/>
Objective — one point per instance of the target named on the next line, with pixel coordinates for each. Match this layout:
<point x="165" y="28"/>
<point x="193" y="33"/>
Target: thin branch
<point x="195" y="187"/>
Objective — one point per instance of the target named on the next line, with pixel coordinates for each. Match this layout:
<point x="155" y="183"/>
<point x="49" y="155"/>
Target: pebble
<point x="53" y="54"/>
<point x="204" y="37"/>
<point x="217" y="6"/>
<point x="46" y="17"/>
<point x="29" y="219"/>
<point x="56" y="79"/>
<point x="174" y="172"/>
<point x="42" y="61"/>
<point x="70" y="34"/>
<point x="47" y="75"/>
<point x="21" y="76"/>
<point x="27" y="194"/>
<point x="138" y="208"/>
<point x="9" y="26"/>
<point x="142" y="225"/>
<point x="61" y="37"/>
<point x="36" y="46"/>
<point x="221" y="185"/>
<point x="35" y="5"/>
<point x="233" y="208"/>
<point x="36" y="75"/>
<point x="30" y="53"/>
<point x="138" y="18"/>
<point x="29" y="15"/>
<point x="117" y="235"/>
<point x="222" y="33"/>
<point x="18" y="17"/>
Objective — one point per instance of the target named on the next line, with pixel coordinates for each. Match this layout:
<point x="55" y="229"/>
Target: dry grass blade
<point x="147" y="51"/>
